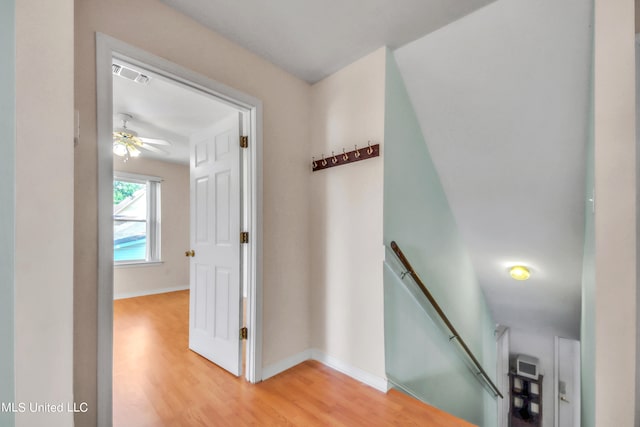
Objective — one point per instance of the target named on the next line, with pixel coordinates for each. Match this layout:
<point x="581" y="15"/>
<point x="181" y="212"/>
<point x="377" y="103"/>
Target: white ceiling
<point x="166" y="110"/>
<point x="502" y="97"/>
<point x="312" y="39"/>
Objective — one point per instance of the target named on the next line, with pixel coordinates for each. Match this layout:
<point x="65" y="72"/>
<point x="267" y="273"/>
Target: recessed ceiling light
<point x="519" y="272"/>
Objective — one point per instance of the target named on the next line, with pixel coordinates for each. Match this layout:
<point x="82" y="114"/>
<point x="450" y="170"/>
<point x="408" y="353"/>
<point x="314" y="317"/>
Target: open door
<point x="215" y="302"/>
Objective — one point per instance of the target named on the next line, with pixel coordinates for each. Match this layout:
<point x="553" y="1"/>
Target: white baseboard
<point x="123" y="295"/>
<point x="380" y="384"/>
<point x="284" y="364"/>
<point x="358" y="374"/>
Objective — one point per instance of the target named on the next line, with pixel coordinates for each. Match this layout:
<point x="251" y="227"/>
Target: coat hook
<point x="331" y="160"/>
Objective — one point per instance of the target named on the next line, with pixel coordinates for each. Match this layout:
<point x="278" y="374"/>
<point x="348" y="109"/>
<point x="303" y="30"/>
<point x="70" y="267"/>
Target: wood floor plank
<point x="159" y="382"/>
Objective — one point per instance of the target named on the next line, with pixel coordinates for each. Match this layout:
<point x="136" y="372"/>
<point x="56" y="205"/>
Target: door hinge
<point x="244" y="237"/>
<point x="244" y="333"/>
<point x="244" y="141"/>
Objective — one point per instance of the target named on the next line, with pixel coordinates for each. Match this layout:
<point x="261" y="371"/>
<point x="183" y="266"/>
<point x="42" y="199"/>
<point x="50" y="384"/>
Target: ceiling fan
<point x="127" y="143"/>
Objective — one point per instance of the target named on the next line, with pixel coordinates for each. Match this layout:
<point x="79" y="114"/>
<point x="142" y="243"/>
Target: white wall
<point x="174" y="233"/>
<point x="44" y="209"/>
<point x="160" y="30"/>
<point x="7" y="202"/>
<point x="615" y="213"/>
<point x="637" y="54"/>
<point x="347" y="312"/>
<point x="542" y="347"/>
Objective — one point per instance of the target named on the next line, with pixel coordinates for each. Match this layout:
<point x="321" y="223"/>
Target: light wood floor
<point x="158" y="381"/>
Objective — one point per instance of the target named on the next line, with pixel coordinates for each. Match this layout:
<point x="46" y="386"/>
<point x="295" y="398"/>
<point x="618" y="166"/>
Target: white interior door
<point x="568" y="382"/>
<point x="215" y="302"/>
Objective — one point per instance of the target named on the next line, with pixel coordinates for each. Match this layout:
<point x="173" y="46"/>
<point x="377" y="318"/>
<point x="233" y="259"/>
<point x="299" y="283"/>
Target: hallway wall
<point x="347" y="108"/>
<point x="7" y="202"/>
<point x="44" y="209"/>
<point x="615" y="213"/>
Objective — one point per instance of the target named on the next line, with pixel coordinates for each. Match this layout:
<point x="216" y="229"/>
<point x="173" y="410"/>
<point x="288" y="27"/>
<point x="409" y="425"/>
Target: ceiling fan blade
<point x="154" y="149"/>
<point x="155" y="141"/>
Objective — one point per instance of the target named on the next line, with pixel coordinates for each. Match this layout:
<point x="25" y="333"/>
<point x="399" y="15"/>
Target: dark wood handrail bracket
<point x="454" y="333"/>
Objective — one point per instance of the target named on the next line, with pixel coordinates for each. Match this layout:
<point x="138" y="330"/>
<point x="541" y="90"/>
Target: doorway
<point x="249" y="110"/>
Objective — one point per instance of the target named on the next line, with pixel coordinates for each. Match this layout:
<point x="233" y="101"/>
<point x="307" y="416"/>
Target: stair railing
<point x="471" y="361"/>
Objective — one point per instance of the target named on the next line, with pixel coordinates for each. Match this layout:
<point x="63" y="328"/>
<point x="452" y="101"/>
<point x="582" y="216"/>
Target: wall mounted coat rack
<point x="345" y="157"/>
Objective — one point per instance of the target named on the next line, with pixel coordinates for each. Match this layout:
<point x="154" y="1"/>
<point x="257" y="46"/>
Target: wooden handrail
<point x="445" y="319"/>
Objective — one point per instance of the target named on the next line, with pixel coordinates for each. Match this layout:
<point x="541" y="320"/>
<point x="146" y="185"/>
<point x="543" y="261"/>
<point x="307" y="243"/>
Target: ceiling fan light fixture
<point x="124" y="133"/>
<point x="519" y="272"/>
<point x="127" y="143"/>
<point x="133" y="151"/>
<point x="119" y="149"/>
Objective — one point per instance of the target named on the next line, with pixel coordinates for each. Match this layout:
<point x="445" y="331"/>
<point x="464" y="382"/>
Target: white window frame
<point x="154" y="246"/>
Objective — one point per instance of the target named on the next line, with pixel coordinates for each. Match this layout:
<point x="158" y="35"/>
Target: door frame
<point x="107" y="49"/>
<point x="502" y="381"/>
<point x="556" y="380"/>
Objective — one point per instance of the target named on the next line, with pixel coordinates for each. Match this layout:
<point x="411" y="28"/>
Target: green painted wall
<point x="417" y="216"/>
<point x="7" y="203"/>
<point x="588" y="310"/>
<point x="637" y="405"/>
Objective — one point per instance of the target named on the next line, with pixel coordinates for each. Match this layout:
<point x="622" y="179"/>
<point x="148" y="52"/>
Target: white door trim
<point x="575" y="398"/>
<point x="108" y="48"/>
<point x="502" y="379"/>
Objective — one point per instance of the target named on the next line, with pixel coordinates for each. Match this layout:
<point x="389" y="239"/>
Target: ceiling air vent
<point x="142" y="79"/>
<point x="130" y="74"/>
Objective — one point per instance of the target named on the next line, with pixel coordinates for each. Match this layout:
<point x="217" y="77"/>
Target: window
<point x="136" y="219"/>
